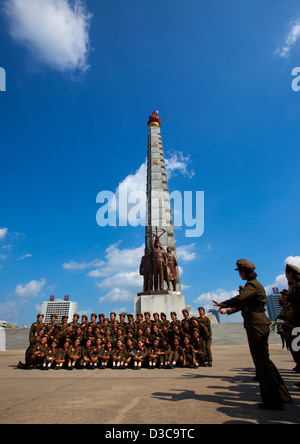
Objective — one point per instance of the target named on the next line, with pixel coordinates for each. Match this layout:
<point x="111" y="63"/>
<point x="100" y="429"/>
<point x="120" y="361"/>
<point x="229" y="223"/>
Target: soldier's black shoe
<point x="297" y="384"/>
<point x="265" y="406"/>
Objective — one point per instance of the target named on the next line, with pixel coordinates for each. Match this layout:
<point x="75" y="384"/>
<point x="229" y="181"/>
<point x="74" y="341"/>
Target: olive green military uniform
<point x="251" y="301"/>
<point x="177" y="355"/>
<point x="38" y="355"/>
<point x="205" y="326"/>
<point x="140" y="354"/>
<point x="74" y="355"/>
<point x="200" y="350"/>
<point x="293" y="298"/>
<point x="35" y="328"/>
<point x="165" y="353"/>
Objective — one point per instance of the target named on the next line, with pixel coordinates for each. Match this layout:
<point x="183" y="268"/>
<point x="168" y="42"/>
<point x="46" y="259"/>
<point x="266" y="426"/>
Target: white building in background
<point x="273" y="304"/>
<point x="60" y="308"/>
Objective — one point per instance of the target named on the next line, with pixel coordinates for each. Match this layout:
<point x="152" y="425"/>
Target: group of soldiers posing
<point x="156" y="343"/>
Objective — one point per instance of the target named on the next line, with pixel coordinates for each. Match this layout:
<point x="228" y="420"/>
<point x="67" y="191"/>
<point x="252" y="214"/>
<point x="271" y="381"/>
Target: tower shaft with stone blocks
<point x="159" y="221"/>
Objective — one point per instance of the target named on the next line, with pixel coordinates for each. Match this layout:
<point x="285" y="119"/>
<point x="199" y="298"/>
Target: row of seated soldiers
<point x="155" y="343"/>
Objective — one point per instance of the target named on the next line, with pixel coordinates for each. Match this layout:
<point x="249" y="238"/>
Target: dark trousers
<point x="272" y="387"/>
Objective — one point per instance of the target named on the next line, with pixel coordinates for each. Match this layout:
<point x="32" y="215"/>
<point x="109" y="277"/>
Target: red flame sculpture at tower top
<point x="154" y="120"/>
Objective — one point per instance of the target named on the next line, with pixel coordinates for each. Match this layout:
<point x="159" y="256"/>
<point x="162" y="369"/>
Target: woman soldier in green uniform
<point x="251" y="301"/>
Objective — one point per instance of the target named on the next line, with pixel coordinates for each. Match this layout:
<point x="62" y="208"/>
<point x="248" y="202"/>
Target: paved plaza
<point x="223" y="394"/>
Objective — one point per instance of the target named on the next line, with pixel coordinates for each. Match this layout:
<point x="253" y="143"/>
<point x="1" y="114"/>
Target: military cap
<point x="163" y="314"/>
<point x="244" y="263"/>
<point x="54" y="316"/>
<point x="130" y="316"/>
<point x="292" y="268"/>
<point x="185" y="311"/>
<point x="147" y="313"/>
<point x="187" y="336"/>
<point x="94" y="314"/>
<point x="157" y="314"/>
<point x="77" y="315"/>
<point x="113" y="313"/>
<point x="139" y="314"/>
<point x="40" y="314"/>
<point x="64" y="317"/>
<point x="284" y="292"/>
<point x="101" y="315"/>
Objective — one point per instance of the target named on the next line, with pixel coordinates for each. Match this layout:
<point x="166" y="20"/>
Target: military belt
<point x="254" y="309"/>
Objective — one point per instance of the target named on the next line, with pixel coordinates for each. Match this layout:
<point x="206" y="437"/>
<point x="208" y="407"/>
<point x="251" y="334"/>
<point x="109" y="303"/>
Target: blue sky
<point x="82" y="80"/>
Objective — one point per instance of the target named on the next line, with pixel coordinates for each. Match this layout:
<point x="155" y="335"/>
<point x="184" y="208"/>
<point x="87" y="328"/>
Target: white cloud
<point x="292" y="38"/>
<point x="280" y="283"/>
<point x="3" y="233"/>
<point x="293" y="260"/>
<point x="119" y="270"/>
<point x="31" y="289"/>
<point x="55" y="31"/>
<point x="186" y="253"/>
<point x="117" y="294"/>
<point x="118" y="261"/>
<point x="74" y="266"/>
<point x="178" y="163"/>
<point x="126" y="280"/>
<point x="25" y="256"/>
<point x="134" y="185"/>
<point x="219" y="295"/>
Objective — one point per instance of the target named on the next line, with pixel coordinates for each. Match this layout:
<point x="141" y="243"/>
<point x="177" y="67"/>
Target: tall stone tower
<point x="157" y="297"/>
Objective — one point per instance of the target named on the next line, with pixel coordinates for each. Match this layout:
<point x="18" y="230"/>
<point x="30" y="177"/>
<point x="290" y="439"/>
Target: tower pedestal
<point x="162" y="301"/>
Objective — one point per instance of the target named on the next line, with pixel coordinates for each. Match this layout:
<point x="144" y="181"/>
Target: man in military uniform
<point x="251" y="301"/>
